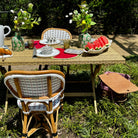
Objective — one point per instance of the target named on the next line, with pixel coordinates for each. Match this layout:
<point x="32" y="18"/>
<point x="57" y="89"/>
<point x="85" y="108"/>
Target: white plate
<point x="6" y="56"/>
<point x="48" y="43"/>
<point x="91" y="51"/>
<point x="54" y="53"/>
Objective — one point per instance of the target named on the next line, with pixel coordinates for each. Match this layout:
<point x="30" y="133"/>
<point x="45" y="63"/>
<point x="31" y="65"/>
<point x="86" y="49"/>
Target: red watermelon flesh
<point x="105" y="40"/>
<point x="98" y="45"/>
<point x="93" y="46"/>
<point x="88" y="46"/>
<point x="101" y="42"/>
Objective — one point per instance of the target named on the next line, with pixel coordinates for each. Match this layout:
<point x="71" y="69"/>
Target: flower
<point x="66" y="16"/>
<point x="12" y="11"/>
<point x="70" y="13"/>
<point x="83" y="18"/>
<point x="70" y="21"/>
<point x="25" y="19"/>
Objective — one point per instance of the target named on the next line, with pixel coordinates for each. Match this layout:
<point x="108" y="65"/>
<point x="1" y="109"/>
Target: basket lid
<point x="118" y="83"/>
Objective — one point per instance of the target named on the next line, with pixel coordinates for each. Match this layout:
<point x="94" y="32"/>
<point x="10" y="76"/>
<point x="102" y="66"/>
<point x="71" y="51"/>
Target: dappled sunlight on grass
<point x="78" y="119"/>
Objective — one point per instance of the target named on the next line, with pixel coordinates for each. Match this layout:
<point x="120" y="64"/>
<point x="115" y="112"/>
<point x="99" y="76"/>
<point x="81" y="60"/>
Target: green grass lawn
<point x="78" y="120"/>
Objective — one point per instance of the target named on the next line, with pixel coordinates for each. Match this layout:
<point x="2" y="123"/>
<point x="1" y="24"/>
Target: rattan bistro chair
<point x="58" y="33"/>
<point x="39" y="95"/>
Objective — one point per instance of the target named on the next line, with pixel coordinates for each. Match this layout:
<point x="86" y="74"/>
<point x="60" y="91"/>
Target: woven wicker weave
<point x="58" y="33"/>
<point x="38" y="93"/>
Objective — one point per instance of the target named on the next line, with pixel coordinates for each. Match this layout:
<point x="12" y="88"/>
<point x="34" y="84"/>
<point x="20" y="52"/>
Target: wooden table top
<point x="25" y="58"/>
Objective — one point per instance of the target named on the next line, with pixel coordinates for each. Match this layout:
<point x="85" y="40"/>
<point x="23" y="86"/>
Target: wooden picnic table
<point x="95" y="62"/>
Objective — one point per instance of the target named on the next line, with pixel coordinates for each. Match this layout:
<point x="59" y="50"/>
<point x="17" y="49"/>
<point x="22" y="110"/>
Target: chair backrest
<point x="35" y="85"/>
<point x="58" y="33"/>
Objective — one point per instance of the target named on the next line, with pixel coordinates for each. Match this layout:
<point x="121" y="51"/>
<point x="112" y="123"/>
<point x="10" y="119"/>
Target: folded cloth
<point x="37" y="45"/>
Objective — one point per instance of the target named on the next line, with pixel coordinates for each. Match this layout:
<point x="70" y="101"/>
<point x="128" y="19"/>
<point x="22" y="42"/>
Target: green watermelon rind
<point x="87" y="48"/>
<point x="107" y="45"/>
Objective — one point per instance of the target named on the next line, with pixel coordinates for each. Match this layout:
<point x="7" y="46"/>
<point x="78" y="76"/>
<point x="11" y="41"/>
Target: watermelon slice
<point x="88" y="46"/>
<point x="105" y="40"/>
<point x="101" y="42"/>
<point x="98" y="44"/>
<point x="93" y="46"/>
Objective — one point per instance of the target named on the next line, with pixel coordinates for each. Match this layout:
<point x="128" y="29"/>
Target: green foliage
<point x="78" y="117"/>
<point x="25" y="19"/>
<point x="121" y="16"/>
<point x="112" y="120"/>
<point x="82" y="18"/>
<point x="111" y="17"/>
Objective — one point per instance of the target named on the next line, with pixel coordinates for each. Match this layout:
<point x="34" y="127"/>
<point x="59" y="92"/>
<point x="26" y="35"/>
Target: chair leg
<point x="45" y="67"/>
<point x="7" y="92"/>
<point x="40" y="67"/>
<point x="24" y="130"/>
<point x="6" y="102"/>
<point x="61" y="68"/>
<point x="68" y="66"/>
<point x="54" y="126"/>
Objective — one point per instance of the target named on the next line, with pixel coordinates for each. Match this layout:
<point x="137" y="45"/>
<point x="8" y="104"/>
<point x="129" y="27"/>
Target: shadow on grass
<point x="132" y="58"/>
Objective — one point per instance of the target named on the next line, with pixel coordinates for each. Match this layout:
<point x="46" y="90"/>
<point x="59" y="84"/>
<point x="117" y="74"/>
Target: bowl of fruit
<point x="98" y="46"/>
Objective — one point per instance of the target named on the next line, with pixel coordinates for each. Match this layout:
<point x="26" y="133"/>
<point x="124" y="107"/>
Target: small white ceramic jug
<point x="2" y="35"/>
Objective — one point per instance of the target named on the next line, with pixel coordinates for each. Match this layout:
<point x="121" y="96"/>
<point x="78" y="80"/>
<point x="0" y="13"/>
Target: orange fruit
<point x="8" y="52"/>
<point x="2" y="51"/>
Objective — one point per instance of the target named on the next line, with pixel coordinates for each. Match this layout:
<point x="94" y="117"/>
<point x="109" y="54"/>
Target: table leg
<point x="7" y="94"/>
<point x="94" y="72"/>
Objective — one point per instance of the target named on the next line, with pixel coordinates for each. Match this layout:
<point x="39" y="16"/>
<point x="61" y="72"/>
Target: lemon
<point x="137" y="122"/>
<point x="25" y="12"/>
<point x="15" y="21"/>
<point x="83" y="22"/>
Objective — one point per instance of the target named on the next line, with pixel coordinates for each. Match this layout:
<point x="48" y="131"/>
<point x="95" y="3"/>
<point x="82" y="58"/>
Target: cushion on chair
<point x="36" y="106"/>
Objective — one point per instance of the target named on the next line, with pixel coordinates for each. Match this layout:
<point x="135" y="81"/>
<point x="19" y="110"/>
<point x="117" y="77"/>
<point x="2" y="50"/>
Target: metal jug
<point x="2" y="35"/>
